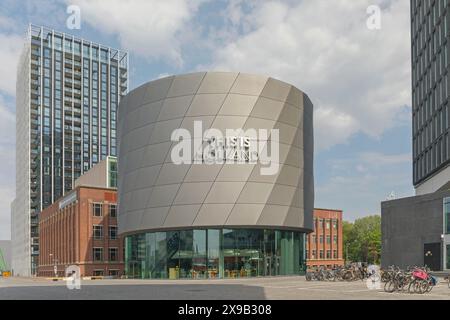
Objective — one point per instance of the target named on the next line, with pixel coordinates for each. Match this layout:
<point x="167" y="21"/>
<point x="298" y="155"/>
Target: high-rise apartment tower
<point x="68" y="91"/>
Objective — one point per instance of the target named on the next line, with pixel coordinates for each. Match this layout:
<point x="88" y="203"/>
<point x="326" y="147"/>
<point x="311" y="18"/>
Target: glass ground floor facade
<point x="214" y="253"/>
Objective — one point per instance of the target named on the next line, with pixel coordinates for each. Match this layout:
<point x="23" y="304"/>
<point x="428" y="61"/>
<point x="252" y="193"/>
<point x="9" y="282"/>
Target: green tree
<point x="362" y="240"/>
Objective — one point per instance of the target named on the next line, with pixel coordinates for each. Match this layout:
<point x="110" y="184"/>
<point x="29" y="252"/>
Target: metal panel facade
<point x="157" y="194"/>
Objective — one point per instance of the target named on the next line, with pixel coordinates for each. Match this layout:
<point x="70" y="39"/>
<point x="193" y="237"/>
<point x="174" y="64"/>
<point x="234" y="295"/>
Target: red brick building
<point x="81" y="229"/>
<point x="324" y="247"/>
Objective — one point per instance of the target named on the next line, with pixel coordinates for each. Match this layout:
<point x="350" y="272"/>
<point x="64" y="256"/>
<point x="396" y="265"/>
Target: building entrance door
<point x="432" y="256"/>
<point x="271" y="266"/>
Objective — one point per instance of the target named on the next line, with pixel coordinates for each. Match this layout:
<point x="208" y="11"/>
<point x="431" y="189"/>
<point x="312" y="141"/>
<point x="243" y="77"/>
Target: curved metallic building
<point x="198" y="220"/>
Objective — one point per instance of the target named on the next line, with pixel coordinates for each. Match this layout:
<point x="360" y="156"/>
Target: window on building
<point x="334" y="224"/>
<point x="321" y="254"/>
<point x="328" y="239"/>
<point x="97" y="209"/>
<point x="314" y="253"/>
<point x="98" y="273"/>
<point x="113" y="254"/>
<point x="314" y="238"/>
<point x="320" y="223"/>
<point x="98" y="232"/>
<point x="328" y="254"/>
<point x="334" y="239"/>
<point x="113" y="210"/>
<point x="321" y="239"/>
<point x="335" y="255"/>
<point x="113" y="273"/>
<point x="113" y="232"/>
<point x="328" y="224"/>
<point x="97" y="254"/>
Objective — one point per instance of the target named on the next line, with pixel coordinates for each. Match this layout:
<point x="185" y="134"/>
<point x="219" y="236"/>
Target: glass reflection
<point x="214" y="253"/>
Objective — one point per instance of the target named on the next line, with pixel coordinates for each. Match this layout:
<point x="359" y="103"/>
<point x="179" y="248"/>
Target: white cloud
<point x="150" y="28"/>
<point x="7" y="125"/>
<point x="9" y="55"/>
<point x="7" y="171"/>
<point x="332" y="127"/>
<point x="358" y="79"/>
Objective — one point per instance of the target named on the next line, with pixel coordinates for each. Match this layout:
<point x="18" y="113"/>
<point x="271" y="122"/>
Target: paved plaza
<point x="289" y="288"/>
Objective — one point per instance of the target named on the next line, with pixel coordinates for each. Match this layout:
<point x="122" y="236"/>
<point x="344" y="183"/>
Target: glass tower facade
<point x="430" y="87"/>
<point x="214" y="253"/>
<point x="66" y="123"/>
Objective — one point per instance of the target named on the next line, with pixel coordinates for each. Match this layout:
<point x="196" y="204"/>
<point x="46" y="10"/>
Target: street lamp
<point x="55" y="267"/>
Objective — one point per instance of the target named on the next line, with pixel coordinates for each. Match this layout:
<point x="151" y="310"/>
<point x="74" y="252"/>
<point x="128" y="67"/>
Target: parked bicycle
<point x="413" y="280"/>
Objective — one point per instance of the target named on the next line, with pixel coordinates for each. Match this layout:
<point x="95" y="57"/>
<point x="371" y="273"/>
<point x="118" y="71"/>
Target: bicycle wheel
<point x="430" y="285"/>
<point x="308" y="276"/>
<point x="423" y="286"/>
<point x="348" y="276"/>
<point x="389" y="286"/>
<point x="412" y="286"/>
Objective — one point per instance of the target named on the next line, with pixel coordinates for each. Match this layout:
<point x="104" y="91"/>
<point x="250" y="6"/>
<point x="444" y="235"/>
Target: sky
<point x="358" y="78"/>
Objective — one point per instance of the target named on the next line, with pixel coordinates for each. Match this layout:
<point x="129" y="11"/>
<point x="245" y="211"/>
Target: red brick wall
<point x="320" y="229"/>
<point x="68" y="234"/>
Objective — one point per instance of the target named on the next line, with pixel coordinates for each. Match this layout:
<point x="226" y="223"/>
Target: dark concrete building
<point x="416" y="231"/>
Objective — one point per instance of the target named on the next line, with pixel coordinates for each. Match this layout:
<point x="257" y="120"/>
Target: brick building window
<point x="113" y="210"/>
<point x="335" y="239"/>
<point x="321" y="239"/>
<point x="335" y="255"/>
<point x="97" y="254"/>
<point x="328" y="254"/>
<point x="113" y="254"/>
<point x="328" y="224"/>
<point x="314" y="238"/>
<point x="321" y="254"/>
<point x="98" y="232"/>
<point x="313" y="254"/>
<point x="328" y="239"/>
<point x="98" y="273"/>
<point x="97" y="209"/>
<point x="113" y="232"/>
<point x="321" y="223"/>
<point x="113" y="273"/>
<point x="335" y="224"/>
